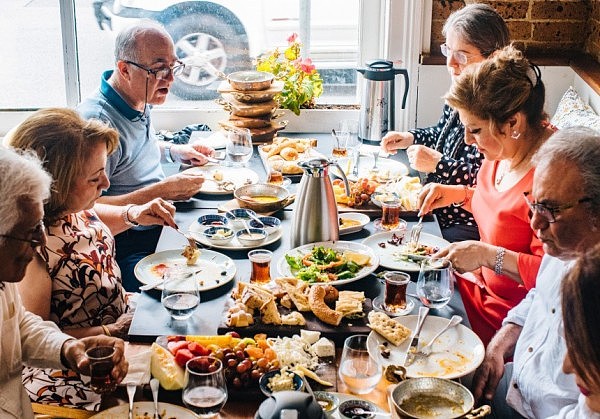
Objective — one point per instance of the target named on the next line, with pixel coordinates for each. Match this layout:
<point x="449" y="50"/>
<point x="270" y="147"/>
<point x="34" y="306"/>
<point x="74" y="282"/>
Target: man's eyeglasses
<point x="38" y="236"/>
<point x="460" y="56"/>
<point x="548" y="212"/>
<point x="162" y="73"/>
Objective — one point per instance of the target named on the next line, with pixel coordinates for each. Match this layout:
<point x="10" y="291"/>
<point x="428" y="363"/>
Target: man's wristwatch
<point x="168" y="155"/>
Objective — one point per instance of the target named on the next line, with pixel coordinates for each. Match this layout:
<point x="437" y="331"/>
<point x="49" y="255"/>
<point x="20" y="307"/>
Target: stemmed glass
<point x="436" y="282"/>
<point x="180" y="294"/>
<point x="205" y="390"/>
<point x="358" y="370"/>
<point x="239" y="145"/>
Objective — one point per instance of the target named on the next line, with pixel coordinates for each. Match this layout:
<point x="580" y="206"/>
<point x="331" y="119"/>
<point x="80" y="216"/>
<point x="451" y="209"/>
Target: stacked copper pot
<point x="248" y="96"/>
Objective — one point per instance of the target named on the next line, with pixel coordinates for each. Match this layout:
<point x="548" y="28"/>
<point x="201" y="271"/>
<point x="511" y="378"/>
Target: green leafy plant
<point x="302" y="83"/>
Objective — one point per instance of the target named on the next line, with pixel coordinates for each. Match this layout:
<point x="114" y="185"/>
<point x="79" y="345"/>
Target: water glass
<point x="205" y="390"/>
<point x="180" y="294"/>
<point x="101" y="365"/>
<point x="261" y="266"/>
<point x="358" y="370"/>
<point x="436" y="282"/>
<point x="239" y="145"/>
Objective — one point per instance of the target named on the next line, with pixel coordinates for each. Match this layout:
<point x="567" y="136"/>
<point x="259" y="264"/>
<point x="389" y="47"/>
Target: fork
<point x="154" y="386"/>
<point x="456" y="319"/>
<point x="130" y="395"/>
<point x="190" y="239"/>
<point x="415" y="234"/>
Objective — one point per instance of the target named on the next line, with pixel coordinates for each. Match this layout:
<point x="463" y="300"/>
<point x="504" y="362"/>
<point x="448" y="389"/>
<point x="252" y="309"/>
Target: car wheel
<point x="206" y="44"/>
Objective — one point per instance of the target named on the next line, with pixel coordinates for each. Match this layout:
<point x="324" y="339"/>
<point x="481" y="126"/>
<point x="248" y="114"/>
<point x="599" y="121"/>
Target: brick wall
<point x="540" y="27"/>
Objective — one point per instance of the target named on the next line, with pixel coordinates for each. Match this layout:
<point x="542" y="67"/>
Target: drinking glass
<point x="239" y="145"/>
<point x="180" y="294"/>
<point x="436" y="282"/>
<point x="358" y="370"/>
<point x="204" y="391"/>
<point x="101" y="365"/>
<point x="261" y="266"/>
<point x="394" y="295"/>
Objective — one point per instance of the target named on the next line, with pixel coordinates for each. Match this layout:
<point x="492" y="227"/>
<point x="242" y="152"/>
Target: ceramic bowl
<point x="213" y="220"/>
<point x="263" y="383"/>
<point x="269" y="224"/>
<point x="258" y="235"/>
<point x="219" y="235"/>
<point x="238" y="216"/>
<point x="329" y="402"/>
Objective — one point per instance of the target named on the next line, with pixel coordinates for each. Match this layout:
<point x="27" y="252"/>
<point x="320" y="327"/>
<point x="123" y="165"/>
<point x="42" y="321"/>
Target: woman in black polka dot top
<point x="472" y="34"/>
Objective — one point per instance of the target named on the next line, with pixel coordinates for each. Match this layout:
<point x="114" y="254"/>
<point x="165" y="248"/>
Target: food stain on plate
<point x="159" y="269"/>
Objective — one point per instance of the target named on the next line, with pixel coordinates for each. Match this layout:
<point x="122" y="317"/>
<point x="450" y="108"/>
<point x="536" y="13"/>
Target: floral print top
<point x="458" y="166"/>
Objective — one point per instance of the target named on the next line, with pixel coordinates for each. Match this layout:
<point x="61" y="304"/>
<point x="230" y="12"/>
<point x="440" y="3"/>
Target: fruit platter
<point x="246" y="360"/>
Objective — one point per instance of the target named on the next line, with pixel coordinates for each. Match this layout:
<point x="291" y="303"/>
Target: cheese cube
<point x="309" y="336"/>
<point x="323" y="348"/>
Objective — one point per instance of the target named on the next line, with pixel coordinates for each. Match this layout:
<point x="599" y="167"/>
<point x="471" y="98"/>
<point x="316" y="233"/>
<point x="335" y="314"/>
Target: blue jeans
<point x="132" y="246"/>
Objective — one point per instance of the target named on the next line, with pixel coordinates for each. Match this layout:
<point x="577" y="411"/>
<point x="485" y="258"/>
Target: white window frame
<point x="394" y="29"/>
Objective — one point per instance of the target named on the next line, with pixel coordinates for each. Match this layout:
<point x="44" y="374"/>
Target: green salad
<point x="322" y="264"/>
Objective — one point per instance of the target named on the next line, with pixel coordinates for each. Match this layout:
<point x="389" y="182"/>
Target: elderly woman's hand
<point x="422" y="158"/>
<point x="468" y="255"/>
<point x="120" y="328"/>
<point x="155" y="212"/>
<point x="394" y="140"/>
<point x="73" y="352"/>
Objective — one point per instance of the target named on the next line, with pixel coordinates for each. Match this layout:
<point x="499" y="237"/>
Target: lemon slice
<point x="358" y="258"/>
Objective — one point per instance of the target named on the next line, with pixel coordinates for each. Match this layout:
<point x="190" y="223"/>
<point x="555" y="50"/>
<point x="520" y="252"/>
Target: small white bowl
<point x="256" y="237"/>
<point x="219" y="235"/>
<point x="269" y="224"/>
<point x="237" y="217"/>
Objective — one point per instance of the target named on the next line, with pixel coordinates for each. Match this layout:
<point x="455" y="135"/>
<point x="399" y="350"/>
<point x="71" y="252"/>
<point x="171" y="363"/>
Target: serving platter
<point x="388" y="169"/>
<point x="145" y="410"/>
<point x="196" y="232"/>
<point x="284" y="269"/>
<point x="457" y="352"/>
<point x="362" y="219"/>
<point x="232" y="178"/>
<point x="389" y="256"/>
<point x="211" y="265"/>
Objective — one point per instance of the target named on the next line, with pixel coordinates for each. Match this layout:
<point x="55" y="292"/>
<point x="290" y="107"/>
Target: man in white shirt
<point x="25" y="337"/>
<point x="565" y="203"/>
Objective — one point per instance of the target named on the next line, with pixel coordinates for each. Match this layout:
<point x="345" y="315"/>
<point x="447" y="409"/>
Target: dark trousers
<point x="460" y="232"/>
<point x="132" y="246"/>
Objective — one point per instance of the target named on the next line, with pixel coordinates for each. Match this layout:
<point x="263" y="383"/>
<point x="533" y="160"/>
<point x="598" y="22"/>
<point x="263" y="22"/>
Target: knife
<point x="414" y="343"/>
<point x="355" y="168"/>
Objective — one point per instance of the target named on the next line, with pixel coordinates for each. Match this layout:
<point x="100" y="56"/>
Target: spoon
<point x="130" y="394"/>
<point x="154" y="386"/>
<point x="456" y="319"/>
<point x="337" y="139"/>
<point x="359" y="411"/>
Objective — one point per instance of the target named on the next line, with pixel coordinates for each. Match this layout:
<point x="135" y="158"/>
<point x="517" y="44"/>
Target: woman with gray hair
<point x="472" y="34"/>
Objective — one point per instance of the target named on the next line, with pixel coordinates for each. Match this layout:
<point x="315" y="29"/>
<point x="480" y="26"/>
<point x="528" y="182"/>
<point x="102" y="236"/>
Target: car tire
<point x="218" y="35"/>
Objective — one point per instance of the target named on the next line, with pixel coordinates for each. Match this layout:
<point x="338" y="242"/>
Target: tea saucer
<point x="379" y="306"/>
<point x="401" y="226"/>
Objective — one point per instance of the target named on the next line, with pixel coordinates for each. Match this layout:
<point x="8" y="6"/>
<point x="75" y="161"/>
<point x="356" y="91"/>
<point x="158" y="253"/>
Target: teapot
<point x="316" y="214"/>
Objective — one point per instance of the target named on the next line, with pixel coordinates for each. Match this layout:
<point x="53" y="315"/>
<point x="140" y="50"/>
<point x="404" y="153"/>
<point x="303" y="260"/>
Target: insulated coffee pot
<point x="378" y="104"/>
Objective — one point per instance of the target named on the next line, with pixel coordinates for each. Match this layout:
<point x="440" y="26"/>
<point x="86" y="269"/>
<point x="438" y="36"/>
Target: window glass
<point x="32" y="71"/>
<point x="225" y="35"/>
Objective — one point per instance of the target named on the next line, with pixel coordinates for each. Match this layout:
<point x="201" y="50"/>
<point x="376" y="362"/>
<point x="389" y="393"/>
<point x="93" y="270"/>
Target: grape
<point x="262" y="362"/>
<point x="231" y="363"/>
<point x="240" y="355"/>
<point x="237" y="382"/>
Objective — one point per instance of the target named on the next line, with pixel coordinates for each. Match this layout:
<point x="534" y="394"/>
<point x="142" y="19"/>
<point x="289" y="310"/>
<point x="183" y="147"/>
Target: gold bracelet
<point x="106" y="331"/>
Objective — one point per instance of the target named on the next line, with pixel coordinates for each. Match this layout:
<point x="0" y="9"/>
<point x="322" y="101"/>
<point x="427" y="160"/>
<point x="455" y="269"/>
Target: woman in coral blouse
<point x="500" y="102"/>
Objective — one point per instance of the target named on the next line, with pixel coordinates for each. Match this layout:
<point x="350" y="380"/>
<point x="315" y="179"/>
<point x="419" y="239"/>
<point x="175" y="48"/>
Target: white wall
<point x="433" y="81"/>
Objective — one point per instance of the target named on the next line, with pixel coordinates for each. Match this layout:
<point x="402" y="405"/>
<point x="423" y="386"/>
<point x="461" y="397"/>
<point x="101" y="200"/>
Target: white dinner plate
<point x="457" y="352"/>
<point x="196" y="232"/>
<point x="145" y="410"/>
<point x="389" y="256"/>
<point x="285" y="270"/>
<point x="210" y="263"/>
<point x="239" y="176"/>
<point x="361" y="218"/>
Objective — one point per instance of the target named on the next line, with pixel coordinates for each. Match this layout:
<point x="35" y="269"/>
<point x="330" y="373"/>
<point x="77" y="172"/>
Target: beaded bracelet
<point x="499" y="264"/>
<point x="125" y="216"/>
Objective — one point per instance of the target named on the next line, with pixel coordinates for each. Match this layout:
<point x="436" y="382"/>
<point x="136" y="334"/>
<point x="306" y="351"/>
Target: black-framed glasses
<point x="460" y="56"/>
<point x="162" y="73"/>
<point x="548" y="212"/>
<point x="38" y="236"/>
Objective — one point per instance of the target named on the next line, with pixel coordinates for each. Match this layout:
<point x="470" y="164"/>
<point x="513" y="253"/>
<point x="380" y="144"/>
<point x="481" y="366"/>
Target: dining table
<point x="152" y="320"/>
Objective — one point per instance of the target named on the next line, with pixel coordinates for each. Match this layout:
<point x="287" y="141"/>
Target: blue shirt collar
<point x="116" y="100"/>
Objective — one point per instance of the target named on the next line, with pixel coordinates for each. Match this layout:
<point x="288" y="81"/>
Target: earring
<point x="515" y="135"/>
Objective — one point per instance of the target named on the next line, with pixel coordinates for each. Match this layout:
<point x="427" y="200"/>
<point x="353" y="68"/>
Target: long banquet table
<point x="151" y="319"/>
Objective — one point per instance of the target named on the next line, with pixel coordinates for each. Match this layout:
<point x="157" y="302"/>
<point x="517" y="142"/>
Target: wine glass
<point x="239" y="145"/>
<point x="358" y="370"/>
<point x="205" y="390"/>
<point x="180" y="294"/>
<point x="436" y="282"/>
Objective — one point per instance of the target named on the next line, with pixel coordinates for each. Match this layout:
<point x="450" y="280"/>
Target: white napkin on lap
<point x="139" y="366"/>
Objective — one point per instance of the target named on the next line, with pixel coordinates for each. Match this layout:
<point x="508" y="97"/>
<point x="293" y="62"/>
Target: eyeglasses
<point x="38" y="236"/>
<point x="549" y="213"/>
<point x="460" y="56"/>
<point x="163" y="73"/>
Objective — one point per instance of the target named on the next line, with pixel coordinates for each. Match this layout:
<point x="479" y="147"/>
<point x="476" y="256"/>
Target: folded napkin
<point x="215" y="140"/>
<point x="139" y="366"/>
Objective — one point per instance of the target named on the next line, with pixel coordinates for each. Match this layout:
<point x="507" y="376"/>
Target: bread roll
<point x="289" y="153"/>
